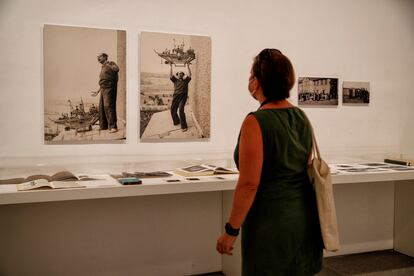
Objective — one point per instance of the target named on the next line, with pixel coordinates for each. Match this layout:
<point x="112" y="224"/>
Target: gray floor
<point x="378" y="263"/>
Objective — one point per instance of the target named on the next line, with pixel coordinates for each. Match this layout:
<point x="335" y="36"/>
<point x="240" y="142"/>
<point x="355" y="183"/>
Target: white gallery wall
<point x="353" y="40"/>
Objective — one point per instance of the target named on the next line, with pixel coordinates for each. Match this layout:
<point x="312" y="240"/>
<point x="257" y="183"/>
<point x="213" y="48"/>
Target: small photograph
<point x="396" y="167"/>
<point x="362" y="170"/>
<point x="175" y="84"/>
<point x="403" y="169"/>
<point x="84" y="85"/>
<point x="203" y="169"/>
<point x="355" y="92"/>
<point x="371" y="170"/>
<point x="317" y="91"/>
<point x="391" y="167"/>
<point x="374" y="164"/>
<point x="344" y="166"/>
<point x="368" y="167"/>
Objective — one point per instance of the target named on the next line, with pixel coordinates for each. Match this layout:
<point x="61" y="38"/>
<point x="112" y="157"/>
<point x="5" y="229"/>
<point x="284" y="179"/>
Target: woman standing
<point x="274" y="202"/>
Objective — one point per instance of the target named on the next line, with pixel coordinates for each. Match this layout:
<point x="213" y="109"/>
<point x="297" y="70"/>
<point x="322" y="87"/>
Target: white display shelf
<point x="110" y="188"/>
<point x="369" y="172"/>
<point x="372" y="177"/>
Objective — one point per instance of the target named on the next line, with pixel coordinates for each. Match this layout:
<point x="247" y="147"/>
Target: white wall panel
<point x="352" y="40"/>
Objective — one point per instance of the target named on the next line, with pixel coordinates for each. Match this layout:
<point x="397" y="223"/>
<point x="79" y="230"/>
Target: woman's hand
<point x="225" y="244"/>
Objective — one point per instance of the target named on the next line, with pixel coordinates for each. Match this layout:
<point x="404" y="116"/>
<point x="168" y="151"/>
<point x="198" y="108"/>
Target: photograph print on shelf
<point x="355" y="92"/>
<point x="317" y="91"/>
<point x="175" y="85"/>
<point x="84" y="85"/>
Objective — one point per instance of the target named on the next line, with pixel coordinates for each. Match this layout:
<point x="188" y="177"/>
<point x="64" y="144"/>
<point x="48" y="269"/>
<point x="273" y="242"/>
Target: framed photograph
<point x="175" y="85"/>
<point x="317" y="91"/>
<point x="84" y="85"/>
<point x="354" y="92"/>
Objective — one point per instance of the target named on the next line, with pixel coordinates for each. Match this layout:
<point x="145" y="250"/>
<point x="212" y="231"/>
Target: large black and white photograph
<point x="355" y="92"/>
<point x="84" y="85"/>
<point x="317" y="91"/>
<point x="175" y="85"/>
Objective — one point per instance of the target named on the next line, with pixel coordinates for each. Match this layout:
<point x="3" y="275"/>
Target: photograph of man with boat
<point x="84" y="85"/>
<point x="175" y="87"/>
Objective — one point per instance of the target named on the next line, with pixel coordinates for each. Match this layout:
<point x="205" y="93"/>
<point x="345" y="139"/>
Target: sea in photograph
<point x="153" y="83"/>
<point x="154" y="88"/>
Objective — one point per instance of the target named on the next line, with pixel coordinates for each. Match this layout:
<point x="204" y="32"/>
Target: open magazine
<point x="59" y="176"/>
<point x="45" y="184"/>
<point x="203" y="169"/>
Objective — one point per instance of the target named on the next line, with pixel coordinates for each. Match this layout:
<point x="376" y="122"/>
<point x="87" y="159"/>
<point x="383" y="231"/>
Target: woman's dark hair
<point x="275" y="73"/>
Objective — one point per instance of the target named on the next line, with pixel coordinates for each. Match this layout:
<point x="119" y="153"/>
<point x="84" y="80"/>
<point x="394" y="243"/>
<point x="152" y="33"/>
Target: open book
<point x="44" y="184"/>
<point x="59" y="176"/>
<point x="203" y="169"/>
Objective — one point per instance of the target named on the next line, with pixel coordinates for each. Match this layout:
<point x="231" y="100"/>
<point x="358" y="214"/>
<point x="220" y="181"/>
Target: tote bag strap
<point x="315" y="147"/>
<point x="315" y="153"/>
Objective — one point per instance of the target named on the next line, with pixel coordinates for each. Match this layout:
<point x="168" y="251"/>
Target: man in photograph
<point x="108" y="80"/>
<point x="180" y="96"/>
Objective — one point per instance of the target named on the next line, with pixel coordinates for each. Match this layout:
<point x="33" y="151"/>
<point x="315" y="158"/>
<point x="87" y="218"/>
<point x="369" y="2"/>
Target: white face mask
<point x="252" y="94"/>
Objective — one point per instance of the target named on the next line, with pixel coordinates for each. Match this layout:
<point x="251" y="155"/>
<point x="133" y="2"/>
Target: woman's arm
<point x="250" y="167"/>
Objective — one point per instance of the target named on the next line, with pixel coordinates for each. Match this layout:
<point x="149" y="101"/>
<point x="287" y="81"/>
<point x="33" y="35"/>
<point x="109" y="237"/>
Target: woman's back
<point x="283" y="213"/>
<point x="274" y="202"/>
<point x="287" y="141"/>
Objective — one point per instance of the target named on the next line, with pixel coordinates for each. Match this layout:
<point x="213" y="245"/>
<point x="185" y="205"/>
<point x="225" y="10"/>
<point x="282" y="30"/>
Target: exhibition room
<point x="173" y="138"/>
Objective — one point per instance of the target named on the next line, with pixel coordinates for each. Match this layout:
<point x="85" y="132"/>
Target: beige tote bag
<point x="320" y="176"/>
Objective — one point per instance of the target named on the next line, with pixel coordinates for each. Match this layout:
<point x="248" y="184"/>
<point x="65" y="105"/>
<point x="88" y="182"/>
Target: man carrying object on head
<point x="180" y="96"/>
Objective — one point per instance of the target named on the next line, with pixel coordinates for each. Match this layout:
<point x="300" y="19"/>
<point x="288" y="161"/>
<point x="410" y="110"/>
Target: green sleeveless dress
<point x="281" y="234"/>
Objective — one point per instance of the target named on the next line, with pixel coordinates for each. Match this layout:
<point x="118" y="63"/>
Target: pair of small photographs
<point x="192" y="179"/>
<point x="135" y="178"/>
<point x="126" y="178"/>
